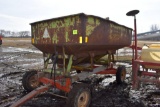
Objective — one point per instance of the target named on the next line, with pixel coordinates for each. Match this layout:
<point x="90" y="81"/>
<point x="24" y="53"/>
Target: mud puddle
<point x="13" y="63"/>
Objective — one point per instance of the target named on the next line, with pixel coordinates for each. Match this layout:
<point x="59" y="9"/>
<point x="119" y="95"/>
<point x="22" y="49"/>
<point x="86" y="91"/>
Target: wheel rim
<point x="123" y="75"/>
<point x="33" y="82"/>
<point x="83" y="99"/>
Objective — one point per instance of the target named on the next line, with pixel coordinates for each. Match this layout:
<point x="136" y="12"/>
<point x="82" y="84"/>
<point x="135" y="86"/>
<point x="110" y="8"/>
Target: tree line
<point x="22" y="34"/>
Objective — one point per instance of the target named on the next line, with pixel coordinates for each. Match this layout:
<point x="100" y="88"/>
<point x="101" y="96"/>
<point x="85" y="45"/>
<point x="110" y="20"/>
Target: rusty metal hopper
<point x="79" y="33"/>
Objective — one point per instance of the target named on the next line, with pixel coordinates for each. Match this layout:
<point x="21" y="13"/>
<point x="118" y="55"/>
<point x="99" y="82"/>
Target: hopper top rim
<point x="83" y="14"/>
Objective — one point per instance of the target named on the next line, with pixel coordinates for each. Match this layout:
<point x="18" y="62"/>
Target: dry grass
<point x="27" y="39"/>
<point x="17" y="42"/>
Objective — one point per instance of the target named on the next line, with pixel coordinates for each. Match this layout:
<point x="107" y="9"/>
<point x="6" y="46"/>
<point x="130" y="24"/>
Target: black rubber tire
<point x="120" y="74"/>
<point x="76" y="92"/>
<point x="25" y="81"/>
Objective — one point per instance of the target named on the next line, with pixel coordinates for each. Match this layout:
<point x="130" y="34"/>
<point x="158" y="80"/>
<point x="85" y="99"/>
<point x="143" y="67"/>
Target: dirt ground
<point x="17" y="55"/>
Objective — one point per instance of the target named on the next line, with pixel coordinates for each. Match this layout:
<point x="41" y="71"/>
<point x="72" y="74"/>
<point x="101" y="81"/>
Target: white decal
<point x="46" y="34"/>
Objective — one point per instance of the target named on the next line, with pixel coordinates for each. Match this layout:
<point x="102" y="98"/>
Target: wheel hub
<point x="33" y="82"/>
<point x="83" y="99"/>
<point x="123" y="75"/>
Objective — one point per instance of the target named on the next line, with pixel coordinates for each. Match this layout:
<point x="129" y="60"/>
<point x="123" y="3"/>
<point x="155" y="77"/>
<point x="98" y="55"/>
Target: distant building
<point x="153" y="36"/>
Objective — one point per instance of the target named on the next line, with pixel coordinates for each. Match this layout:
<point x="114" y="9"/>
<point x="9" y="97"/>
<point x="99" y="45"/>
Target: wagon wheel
<point x="120" y="74"/>
<point x="29" y="81"/>
<point x="79" y="96"/>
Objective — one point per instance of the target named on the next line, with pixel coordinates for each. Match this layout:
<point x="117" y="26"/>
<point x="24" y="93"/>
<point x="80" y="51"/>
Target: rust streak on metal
<point x="79" y="33"/>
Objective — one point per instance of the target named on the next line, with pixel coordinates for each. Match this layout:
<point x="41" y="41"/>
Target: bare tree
<point x="24" y="34"/>
<point x="2" y="32"/>
<point x="154" y="27"/>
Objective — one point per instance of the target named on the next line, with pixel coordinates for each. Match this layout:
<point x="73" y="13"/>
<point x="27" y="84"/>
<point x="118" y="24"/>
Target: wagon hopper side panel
<point x="59" y="32"/>
<point x="102" y="34"/>
<point x="79" y="33"/>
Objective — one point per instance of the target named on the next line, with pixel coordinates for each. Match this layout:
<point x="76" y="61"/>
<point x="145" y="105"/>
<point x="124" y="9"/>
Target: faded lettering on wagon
<point x="117" y="32"/>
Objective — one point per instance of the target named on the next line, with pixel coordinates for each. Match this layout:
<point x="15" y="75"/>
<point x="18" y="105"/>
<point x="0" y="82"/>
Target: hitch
<point x="30" y="95"/>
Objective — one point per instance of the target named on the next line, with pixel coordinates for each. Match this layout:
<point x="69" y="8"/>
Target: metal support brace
<point x="64" y="61"/>
<point x="135" y="75"/>
<point x="92" y="60"/>
<point x="30" y="95"/>
<point x="69" y="64"/>
<point x="110" y="57"/>
<point x="46" y="61"/>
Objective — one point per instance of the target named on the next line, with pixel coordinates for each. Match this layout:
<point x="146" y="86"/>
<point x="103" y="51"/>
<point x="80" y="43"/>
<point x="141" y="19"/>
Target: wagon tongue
<point x="30" y="95"/>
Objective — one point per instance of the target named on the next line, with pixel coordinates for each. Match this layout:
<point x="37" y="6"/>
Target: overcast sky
<point x="16" y="15"/>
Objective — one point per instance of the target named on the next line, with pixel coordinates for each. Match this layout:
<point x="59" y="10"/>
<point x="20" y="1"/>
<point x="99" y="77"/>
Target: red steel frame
<point x="136" y="65"/>
<point x="140" y="78"/>
<point x="30" y="95"/>
<point x="51" y="83"/>
<point x="109" y="70"/>
<point x="65" y="87"/>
